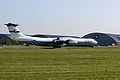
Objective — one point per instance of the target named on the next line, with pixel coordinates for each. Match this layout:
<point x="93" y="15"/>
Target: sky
<point x="61" y="17"/>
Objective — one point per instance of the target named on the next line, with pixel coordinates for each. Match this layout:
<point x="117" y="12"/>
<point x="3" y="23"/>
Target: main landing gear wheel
<point x="57" y="46"/>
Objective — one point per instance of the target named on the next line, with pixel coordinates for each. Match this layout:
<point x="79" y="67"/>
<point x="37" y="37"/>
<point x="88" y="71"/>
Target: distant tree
<point x="10" y="42"/>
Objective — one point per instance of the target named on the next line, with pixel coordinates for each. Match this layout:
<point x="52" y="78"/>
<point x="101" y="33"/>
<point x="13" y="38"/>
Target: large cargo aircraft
<point x="57" y="42"/>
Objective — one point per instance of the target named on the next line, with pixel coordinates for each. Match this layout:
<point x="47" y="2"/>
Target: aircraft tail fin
<point x="14" y="31"/>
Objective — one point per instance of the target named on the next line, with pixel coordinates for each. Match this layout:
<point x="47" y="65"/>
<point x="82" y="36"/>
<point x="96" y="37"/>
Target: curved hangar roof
<point x="105" y="39"/>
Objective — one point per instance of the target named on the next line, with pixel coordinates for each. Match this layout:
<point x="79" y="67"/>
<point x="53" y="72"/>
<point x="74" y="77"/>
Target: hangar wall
<point x="4" y="37"/>
<point x="105" y="39"/>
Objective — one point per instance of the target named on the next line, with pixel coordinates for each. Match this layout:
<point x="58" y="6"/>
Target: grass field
<point x="17" y="63"/>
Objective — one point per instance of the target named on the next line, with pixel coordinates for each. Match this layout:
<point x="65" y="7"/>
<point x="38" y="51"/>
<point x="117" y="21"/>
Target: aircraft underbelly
<point x="42" y="43"/>
<point x="45" y="43"/>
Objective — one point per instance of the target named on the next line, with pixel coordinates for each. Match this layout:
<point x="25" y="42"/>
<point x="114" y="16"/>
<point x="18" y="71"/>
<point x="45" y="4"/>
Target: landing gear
<point x="57" y="43"/>
<point x="57" y="46"/>
<point x="25" y="44"/>
<point x="91" y="46"/>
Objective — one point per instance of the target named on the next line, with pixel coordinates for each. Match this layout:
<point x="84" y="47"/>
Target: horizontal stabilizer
<point x="11" y="24"/>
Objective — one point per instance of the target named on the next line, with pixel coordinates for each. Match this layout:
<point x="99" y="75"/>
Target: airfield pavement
<point x="67" y="63"/>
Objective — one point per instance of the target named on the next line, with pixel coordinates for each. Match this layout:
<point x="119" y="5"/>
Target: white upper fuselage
<point x="29" y="38"/>
<point x="78" y="39"/>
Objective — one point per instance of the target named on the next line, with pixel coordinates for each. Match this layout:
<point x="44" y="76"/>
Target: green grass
<point x="59" y="64"/>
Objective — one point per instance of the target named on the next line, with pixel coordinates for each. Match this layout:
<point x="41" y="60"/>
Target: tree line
<point x="10" y="42"/>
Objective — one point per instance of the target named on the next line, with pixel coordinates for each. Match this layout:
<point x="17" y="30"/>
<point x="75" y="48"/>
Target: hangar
<point x="105" y="39"/>
<point x="4" y="37"/>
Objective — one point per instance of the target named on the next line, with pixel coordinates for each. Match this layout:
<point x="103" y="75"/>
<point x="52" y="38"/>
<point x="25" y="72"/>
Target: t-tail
<point x="14" y="31"/>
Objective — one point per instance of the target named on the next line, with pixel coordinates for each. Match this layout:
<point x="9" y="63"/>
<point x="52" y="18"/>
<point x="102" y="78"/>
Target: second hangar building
<point x="105" y="39"/>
